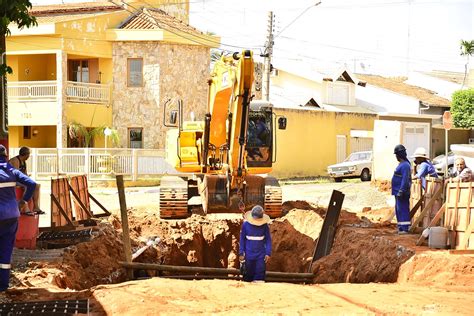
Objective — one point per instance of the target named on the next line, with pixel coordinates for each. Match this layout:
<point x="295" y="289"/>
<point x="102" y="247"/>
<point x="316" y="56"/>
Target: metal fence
<point x="97" y="164"/>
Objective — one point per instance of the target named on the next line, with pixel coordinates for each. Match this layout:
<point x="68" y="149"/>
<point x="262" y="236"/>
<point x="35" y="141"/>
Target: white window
<point x="135" y="72"/>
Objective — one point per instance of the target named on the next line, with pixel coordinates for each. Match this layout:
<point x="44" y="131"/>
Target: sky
<point x="388" y="37"/>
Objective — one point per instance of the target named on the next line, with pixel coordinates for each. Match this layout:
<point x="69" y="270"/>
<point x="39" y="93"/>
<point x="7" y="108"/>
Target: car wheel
<point x="365" y="175"/>
<point x="337" y="179"/>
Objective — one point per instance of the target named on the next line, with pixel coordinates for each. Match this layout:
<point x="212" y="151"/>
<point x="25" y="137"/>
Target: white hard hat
<point x="420" y="152"/>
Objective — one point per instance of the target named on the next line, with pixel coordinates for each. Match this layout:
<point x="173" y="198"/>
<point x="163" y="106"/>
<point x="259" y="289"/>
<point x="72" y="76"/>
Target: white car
<point x="357" y="165"/>
<point x="439" y="162"/>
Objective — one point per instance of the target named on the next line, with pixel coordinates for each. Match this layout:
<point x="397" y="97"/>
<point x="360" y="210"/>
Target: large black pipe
<point x="206" y="270"/>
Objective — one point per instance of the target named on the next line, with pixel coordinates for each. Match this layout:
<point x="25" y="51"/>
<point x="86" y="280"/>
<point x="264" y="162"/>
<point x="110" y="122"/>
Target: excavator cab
<point x="260" y="138"/>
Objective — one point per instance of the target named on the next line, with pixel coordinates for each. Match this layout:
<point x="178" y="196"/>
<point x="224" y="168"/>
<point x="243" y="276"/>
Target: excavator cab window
<point x="259" y="139"/>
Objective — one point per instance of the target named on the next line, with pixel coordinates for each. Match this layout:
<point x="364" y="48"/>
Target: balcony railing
<point x="33" y="90"/>
<point x="79" y="92"/>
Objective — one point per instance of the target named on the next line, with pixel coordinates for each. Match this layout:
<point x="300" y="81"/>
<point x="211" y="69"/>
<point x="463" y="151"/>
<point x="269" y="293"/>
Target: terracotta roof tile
<point x="66" y="17"/>
<point x="397" y="85"/>
<point x="149" y="19"/>
<point x="71" y="8"/>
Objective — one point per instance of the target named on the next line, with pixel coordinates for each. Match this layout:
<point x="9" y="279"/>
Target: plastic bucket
<point x="438" y="237"/>
<point x="27" y="232"/>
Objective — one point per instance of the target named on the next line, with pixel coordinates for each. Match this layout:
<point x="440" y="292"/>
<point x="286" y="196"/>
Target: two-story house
<point x="104" y="64"/>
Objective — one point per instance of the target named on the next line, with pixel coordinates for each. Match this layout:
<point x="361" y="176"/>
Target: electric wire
<point x="137" y="11"/>
<point x="296" y="19"/>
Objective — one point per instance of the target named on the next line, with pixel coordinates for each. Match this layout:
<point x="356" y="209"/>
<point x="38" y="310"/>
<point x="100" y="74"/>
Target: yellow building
<point x="324" y="123"/>
<point x="86" y="62"/>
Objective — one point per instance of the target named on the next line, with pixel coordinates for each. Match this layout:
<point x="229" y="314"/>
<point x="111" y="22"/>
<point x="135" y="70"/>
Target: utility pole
<point x="268" y="58"/>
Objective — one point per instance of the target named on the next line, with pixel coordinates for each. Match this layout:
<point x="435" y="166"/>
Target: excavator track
<point x="273" y="197"/>
<point x="173" y="197"/>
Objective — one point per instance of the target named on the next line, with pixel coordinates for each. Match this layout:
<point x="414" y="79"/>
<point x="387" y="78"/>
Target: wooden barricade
<point x="62" y="213"/>
<point x="431" y="201"/>
<point x="61" y="207"/>
<point x="82" y="205"/>
<point x="416" y="197"/>
<point x="459" y="214"/>
<point x="79" y="190"/>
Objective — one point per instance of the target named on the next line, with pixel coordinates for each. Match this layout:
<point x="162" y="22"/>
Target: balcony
<point x="77" y="92"/>
<point x="26" y="91"/>
<point x="92" y="93"/>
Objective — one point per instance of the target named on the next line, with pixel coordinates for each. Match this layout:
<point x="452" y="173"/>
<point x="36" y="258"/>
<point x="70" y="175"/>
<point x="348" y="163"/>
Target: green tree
<point x="462" y="108"/>
<point x="16" y="12"/>
<point x="467" y="49"/>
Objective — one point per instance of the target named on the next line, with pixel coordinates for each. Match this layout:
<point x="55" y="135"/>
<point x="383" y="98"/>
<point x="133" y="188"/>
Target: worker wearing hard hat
<point x="10" y="211"/>
<point x="401" y="182"/>
<point x="424" y="166"/>
<point x="255" y="244"/>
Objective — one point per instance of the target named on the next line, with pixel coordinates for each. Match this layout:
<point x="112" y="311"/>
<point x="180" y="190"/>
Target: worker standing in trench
<point x="401" y="183"/>
<point x="255" y="244"/>
<point x="10" y="211"/>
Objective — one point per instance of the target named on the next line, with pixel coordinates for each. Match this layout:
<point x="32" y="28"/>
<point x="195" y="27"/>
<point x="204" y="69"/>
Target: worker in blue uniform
<point x="424" y="167"/>
<point x="401" y="183"/>
<point x="255" y="244"/>
<point x="10" y="211"/>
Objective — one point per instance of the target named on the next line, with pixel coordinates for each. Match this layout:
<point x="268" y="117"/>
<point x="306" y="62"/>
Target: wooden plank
<point x="80" y="207"/>
<point x="328" y="231"/>
<point x="125" y="229"/>
<point x="461" y="252"/>
<point x="61" y="207"/>
<point x="78" y="188"/>
<point x="61" y="210"/>
<point x="106" y="212"/>
<point x="434" y="222"/>
<point x="470" y="226"/>
<point x="426" y="209"/>
<point x="415" y="207"/>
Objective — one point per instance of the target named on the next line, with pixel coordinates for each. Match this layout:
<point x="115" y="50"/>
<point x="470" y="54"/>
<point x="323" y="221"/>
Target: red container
<point x="27" y="232"/>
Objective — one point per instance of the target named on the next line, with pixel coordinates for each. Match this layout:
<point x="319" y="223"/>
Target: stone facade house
<point x="170" y="72"/>
<point x="100" y="65"/>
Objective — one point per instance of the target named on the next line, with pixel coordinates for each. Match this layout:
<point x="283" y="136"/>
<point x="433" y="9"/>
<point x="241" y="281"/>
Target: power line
<point x="299" y="16"/>
<point x="365" y="51"/>
<point x="171" y="26"/>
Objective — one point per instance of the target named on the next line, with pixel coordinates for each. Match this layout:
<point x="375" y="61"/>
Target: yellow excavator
<point x="226" y="157"/>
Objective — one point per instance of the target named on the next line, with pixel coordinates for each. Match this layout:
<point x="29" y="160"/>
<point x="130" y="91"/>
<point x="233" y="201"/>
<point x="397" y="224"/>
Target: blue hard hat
<point x="257" y="211"/>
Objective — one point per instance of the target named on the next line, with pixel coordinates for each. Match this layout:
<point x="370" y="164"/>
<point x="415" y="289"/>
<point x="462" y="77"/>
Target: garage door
<point x="416" y="135"/>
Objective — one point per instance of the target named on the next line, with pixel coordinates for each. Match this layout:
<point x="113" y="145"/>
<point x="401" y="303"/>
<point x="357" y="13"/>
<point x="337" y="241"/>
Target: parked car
<point x="358" y="164"/>
<point x="439" y="162"/>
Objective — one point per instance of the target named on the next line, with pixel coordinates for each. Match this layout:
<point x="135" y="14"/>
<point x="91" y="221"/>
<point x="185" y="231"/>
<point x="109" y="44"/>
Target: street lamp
<point x="107" y="132"/>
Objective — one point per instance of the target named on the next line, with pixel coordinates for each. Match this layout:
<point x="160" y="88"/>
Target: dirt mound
<point x="362" y="256"/>
<point x="438" y="268"/>
<point x="377" y="215"/>
<point x="84" y="265"/>
<point x="293" y="240"/>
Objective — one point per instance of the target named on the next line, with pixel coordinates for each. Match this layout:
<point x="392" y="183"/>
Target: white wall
<point x="387" y="134"/>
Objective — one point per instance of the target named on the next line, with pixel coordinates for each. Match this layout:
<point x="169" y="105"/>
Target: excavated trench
<point x="362" y="252"/>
